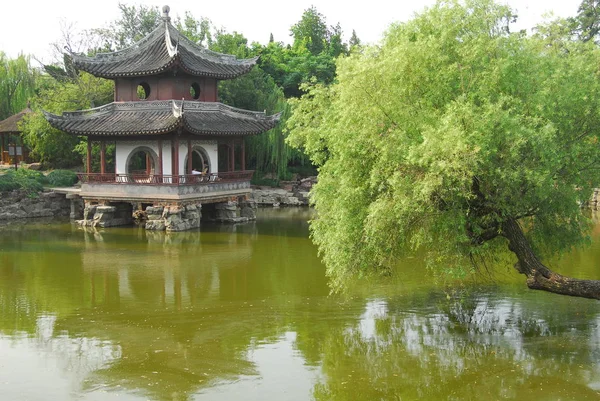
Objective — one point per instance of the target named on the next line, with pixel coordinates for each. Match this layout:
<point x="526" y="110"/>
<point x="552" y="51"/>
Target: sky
<point x="30" y="27"/>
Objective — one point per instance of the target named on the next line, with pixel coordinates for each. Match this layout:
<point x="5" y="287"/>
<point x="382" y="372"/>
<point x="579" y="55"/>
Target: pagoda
<point x="176" y="147"/>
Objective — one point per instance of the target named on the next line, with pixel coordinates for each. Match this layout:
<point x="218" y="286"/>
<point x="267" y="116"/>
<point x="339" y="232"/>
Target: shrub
<point x="61" y="178"/>
<point x="8" y="183"/>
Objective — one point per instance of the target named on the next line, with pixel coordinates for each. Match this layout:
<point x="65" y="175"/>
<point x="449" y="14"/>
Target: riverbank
<point x="25" y="204"/>
<point x="22" y="204"/>
<point x="289" y="193"/>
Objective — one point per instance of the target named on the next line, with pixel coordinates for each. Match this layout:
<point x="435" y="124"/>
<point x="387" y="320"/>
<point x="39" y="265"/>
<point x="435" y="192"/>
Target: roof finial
<point x="165" y="11"/>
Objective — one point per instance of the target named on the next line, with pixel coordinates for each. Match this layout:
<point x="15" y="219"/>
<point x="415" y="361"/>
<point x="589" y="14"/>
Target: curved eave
<point x="175" y="63"/>
<point x="257" y="127"/>
<point x="92" y="68"/>
<point x="66" y="124"/>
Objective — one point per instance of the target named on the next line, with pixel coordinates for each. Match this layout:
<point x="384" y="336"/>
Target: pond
<point x="244" y="312"/>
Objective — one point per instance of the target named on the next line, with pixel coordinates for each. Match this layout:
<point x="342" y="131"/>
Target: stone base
<point x="106" y="216"/>
<point x="174" y="217"/>
<point x="235" y="211"/>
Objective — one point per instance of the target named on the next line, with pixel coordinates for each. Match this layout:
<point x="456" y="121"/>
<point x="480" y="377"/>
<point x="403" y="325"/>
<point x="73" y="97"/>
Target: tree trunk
<point x="540" y="277"/>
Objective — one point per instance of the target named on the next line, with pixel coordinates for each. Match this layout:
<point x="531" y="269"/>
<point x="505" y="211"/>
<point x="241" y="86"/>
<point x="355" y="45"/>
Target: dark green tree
<point x="311" y="31"/>
<point x="587" y="21"/>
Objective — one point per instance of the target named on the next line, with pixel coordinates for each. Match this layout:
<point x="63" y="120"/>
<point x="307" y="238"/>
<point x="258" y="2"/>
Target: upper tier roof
<point x="163" y="49"/>
<point x="161" y="117"/>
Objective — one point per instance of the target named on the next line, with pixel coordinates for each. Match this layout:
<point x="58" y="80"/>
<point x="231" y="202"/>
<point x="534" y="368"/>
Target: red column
<point x="231" y="155"/>
<point x="103" y="157"/>
<point x="176" y="160"/>
<point x="1" y="148"/>
<point x="243" y="155"/>
<point x="189" y="156"/>
<point x="160" y="161"/>
<point x="88" y="163"/>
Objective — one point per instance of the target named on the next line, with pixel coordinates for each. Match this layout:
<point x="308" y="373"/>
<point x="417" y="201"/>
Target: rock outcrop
<point x="289" y="193"/>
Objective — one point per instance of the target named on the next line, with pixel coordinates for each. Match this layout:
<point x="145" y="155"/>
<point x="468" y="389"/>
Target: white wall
<point x="124" y="148"/>
<point x="210" y="147"/>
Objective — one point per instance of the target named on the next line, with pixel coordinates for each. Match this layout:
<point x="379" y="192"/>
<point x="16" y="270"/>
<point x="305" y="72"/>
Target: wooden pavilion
<point x="12" y="150"/>
<point x="176" y="146"/>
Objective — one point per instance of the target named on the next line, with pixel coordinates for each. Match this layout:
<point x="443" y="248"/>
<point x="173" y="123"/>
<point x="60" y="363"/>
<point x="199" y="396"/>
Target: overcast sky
<point x="30" y="26"/>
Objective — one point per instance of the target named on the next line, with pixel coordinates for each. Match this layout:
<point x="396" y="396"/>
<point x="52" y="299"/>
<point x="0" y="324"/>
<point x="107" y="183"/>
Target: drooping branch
<point x="540" y="277"/>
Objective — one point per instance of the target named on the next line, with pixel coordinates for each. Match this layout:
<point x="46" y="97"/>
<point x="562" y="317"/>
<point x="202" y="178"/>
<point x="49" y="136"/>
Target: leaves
<point x="451" y="126"/>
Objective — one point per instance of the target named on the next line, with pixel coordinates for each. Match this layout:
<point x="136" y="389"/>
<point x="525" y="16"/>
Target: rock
<point x="35" y="166"/>
<point x="22" y="204"/>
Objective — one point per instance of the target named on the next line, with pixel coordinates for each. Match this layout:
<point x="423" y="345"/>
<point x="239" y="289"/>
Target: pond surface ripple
<point x="244" y="312"/>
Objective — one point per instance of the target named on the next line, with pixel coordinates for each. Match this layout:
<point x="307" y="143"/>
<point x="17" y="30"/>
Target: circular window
<point x="143" y="90"/>
<point x="195" y="91"/>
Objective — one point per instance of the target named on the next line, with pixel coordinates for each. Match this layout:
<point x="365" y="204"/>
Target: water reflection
<point x="243" y="312"/>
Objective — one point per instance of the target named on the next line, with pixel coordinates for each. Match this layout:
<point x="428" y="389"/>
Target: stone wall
<point x="22" y="205"/>
<point x="289" y="193"/>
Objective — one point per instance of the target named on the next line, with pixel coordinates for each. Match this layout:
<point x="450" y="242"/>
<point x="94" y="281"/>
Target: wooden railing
<point x="155" y="179"/>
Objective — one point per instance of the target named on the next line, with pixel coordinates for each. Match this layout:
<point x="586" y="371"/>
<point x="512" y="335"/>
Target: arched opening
<point x="195" y="91"/>
<point x="200" y="161"/>
<point x="143" y="91"/>
<point x="142" y="163"/>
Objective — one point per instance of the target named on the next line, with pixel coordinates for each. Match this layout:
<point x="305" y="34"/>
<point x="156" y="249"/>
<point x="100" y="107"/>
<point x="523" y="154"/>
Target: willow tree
<point x="17" y="84"/>
<point x="457" y="137"/>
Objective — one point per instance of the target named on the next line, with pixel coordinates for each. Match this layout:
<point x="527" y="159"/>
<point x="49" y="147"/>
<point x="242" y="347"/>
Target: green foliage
<point x="17" y="84"/>
<point x="29" y="180"/>
<point x="311" y="31"/>
<point x="134" y="24"/>
<point x="586" y="23"/>
<point x="266" y="152"/>
<point x="196" y="30"/>
<point x="53" y="147"/>
<point x="451" y="127"/>
<point x="61" y="178"/>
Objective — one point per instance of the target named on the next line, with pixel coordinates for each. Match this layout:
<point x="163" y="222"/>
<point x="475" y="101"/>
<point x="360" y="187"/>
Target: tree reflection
<point x="170" y="316"/>
<point x="472" y="347"/>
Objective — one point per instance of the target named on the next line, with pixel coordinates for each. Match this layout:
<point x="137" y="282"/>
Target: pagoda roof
<point x="162" y="117"/>
<point x="164" y="48"/>
<point x="11" y="123"/>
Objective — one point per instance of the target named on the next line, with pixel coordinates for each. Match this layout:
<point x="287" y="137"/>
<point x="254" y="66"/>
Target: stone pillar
<point x="106" y="216"/>
<point x="174" y="217"/>
<point x="76" y="209"/>
<point x="226" y="211"/>
<point x="248" y="209"/>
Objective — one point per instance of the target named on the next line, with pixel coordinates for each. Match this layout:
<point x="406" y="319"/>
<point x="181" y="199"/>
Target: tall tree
<point x="587" y="21"/>
<point x="51" y="146"/>
<point x="134" y="24"/>
<point x="17" y="84"/>
<point x="457" y="137"/>
<point x="311" y="31"/>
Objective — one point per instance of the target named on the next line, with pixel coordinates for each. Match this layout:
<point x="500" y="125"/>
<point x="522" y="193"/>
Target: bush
<point x="264" y="182"/>
<point x="62" y="178"/>
<point x="29" y="180"/>
<point x="8" y="183"/>
<point x="23" y="174"/>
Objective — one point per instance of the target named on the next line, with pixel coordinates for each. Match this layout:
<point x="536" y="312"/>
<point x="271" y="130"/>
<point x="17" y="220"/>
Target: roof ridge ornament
<point x="177" y="111"/>
<point x="172" y="50"/>
<point x="165" y="11"/>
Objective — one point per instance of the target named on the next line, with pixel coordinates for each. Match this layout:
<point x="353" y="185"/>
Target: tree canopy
<point x="17" y="84"/>
<point x="456" y="137"/>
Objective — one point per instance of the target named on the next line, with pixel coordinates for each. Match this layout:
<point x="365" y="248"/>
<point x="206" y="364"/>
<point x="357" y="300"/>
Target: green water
<point x="244" y="313"/>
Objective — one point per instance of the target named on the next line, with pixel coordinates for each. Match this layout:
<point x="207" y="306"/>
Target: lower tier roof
<point x="162" y="117"/>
